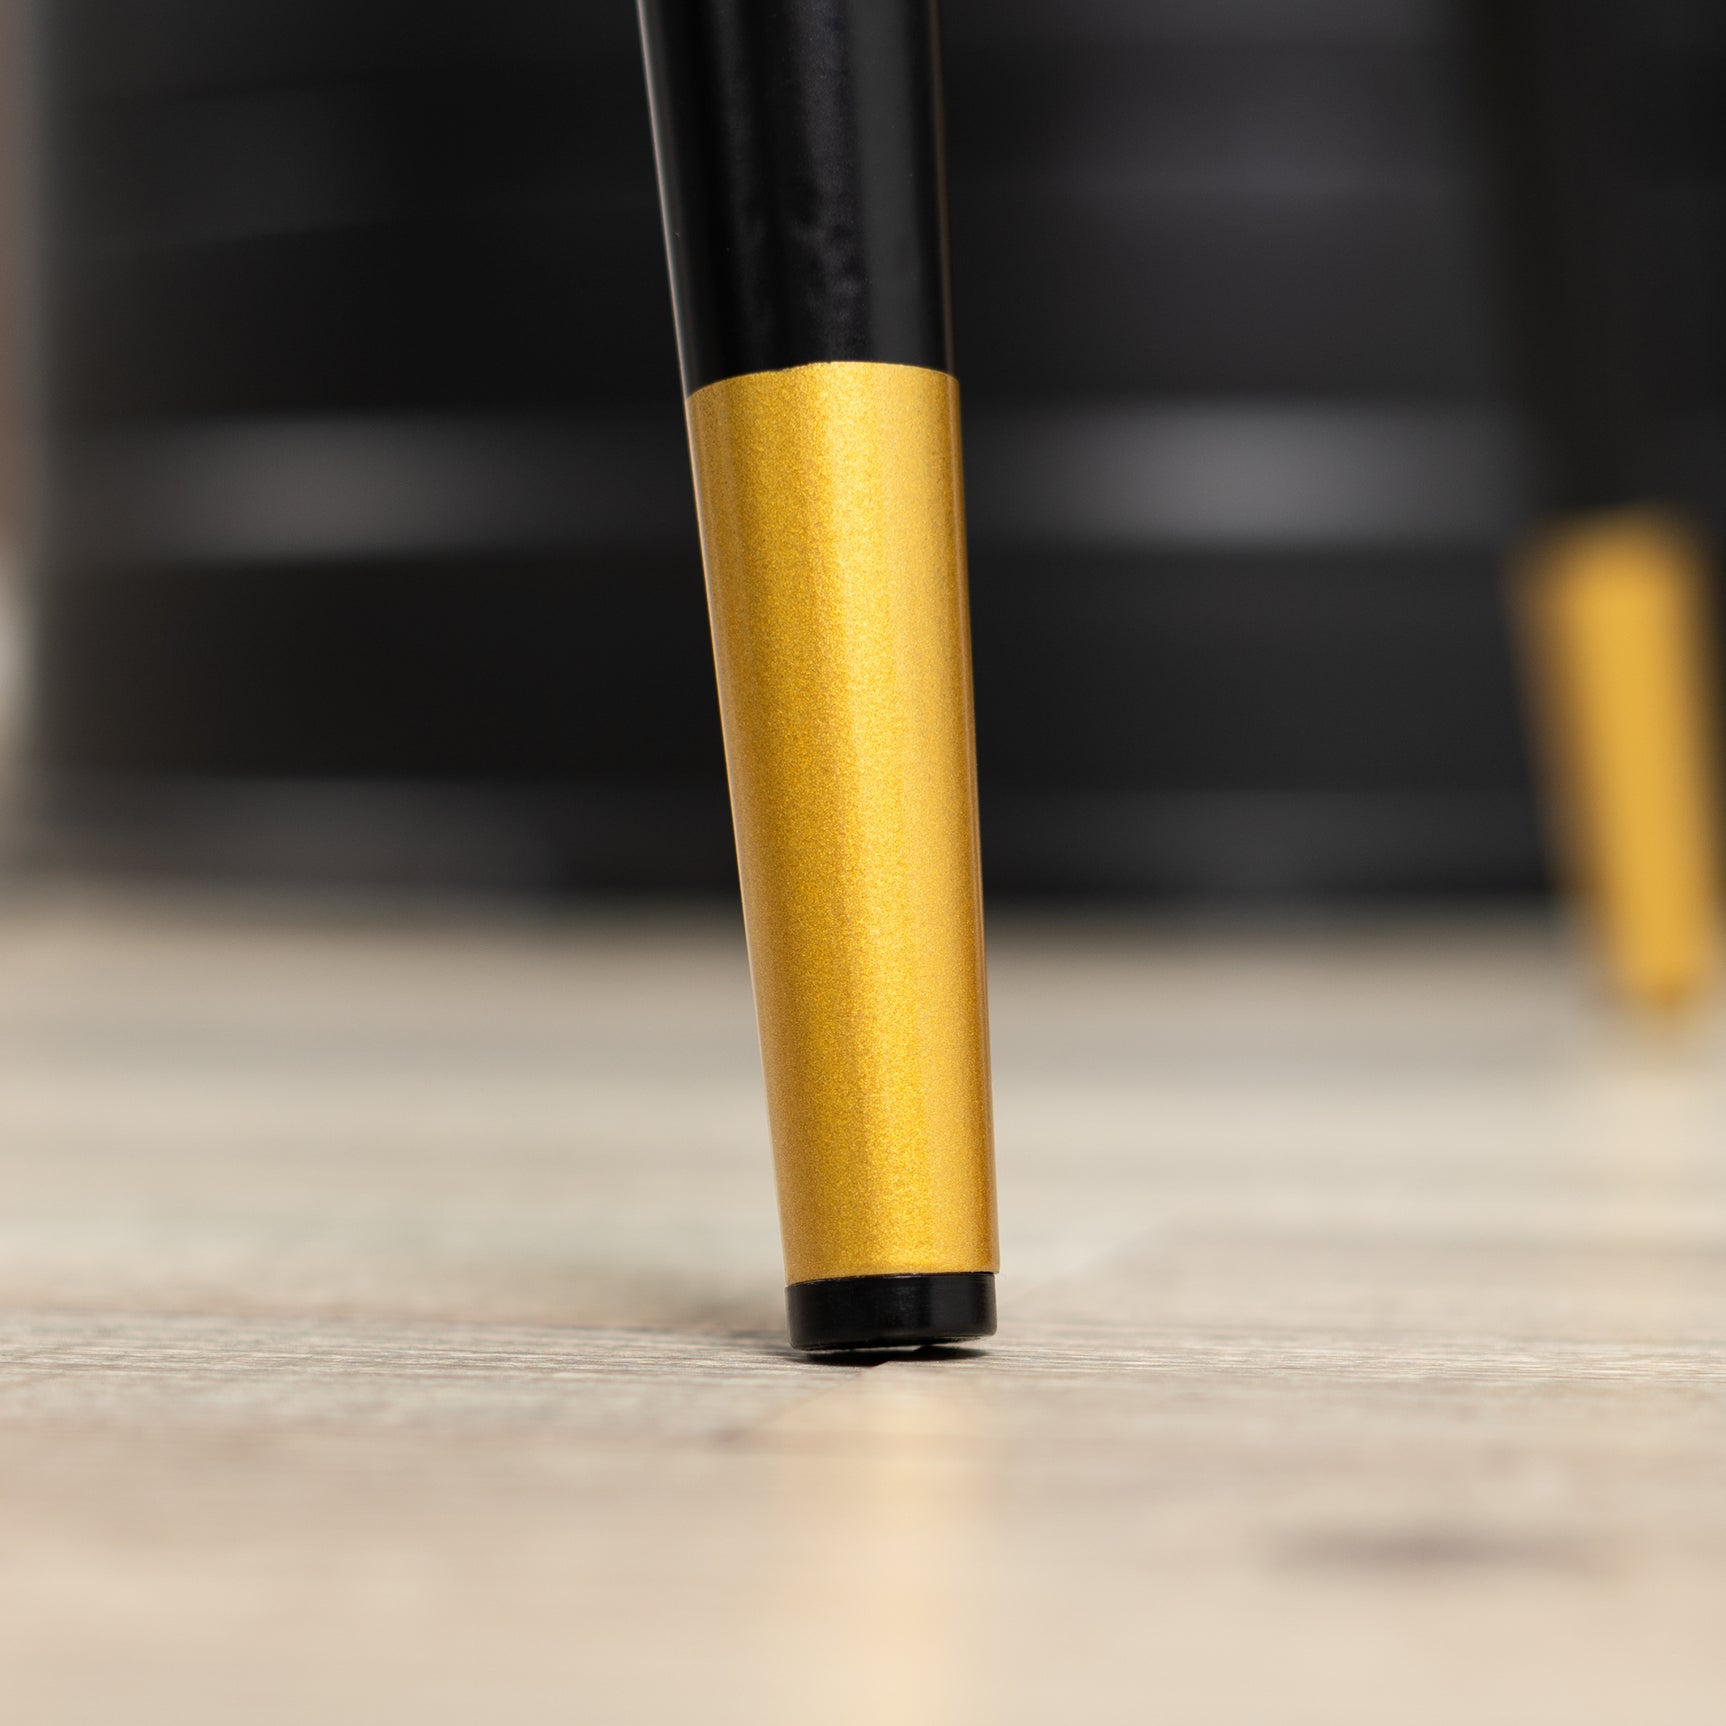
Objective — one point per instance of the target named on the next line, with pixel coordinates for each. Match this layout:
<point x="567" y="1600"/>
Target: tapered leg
<point x="1612" y="588"/>
<point x="799" y="146"/>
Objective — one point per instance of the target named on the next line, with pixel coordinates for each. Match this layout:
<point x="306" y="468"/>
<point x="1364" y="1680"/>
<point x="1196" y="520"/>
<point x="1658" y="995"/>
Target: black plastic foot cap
<point x="891" y="1312"/>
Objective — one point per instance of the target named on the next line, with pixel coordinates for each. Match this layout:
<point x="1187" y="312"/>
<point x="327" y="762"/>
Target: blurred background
<point x="353" y="504"/>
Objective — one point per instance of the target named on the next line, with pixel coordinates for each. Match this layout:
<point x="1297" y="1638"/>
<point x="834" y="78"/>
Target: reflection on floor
<point x="389" y="1331"/>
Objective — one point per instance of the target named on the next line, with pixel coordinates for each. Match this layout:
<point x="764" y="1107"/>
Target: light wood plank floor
<point x="389" y="1332"/>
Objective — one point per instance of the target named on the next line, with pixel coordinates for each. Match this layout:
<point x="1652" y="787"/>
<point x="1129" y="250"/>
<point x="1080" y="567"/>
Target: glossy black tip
<point x="891" y="1311"/>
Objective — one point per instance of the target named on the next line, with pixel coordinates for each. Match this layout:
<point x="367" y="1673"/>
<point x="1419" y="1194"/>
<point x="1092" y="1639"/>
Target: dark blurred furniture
<point x="368" y="547"/>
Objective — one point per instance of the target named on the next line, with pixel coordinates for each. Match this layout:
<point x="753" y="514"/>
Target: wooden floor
<point x="389" y="1317"/>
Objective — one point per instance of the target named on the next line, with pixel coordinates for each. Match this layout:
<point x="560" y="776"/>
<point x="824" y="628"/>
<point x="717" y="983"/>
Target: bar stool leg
<point x="800" y="159"/>
<point x="1612" y="589"/>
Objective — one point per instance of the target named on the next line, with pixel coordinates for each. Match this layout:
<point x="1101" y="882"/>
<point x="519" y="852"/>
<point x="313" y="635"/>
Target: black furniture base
<point x="891" y="1311"/>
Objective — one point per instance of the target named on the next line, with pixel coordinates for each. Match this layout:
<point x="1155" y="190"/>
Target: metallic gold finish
<point x="1619" y="635"/>
<point x="833" y="533"/>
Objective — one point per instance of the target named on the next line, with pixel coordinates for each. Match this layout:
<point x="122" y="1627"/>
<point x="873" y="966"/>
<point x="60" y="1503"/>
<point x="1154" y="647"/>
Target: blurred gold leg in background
<point x="1616" y="621"/>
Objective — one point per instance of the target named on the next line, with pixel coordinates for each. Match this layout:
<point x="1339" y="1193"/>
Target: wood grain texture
<point x="389" y="1331"/>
